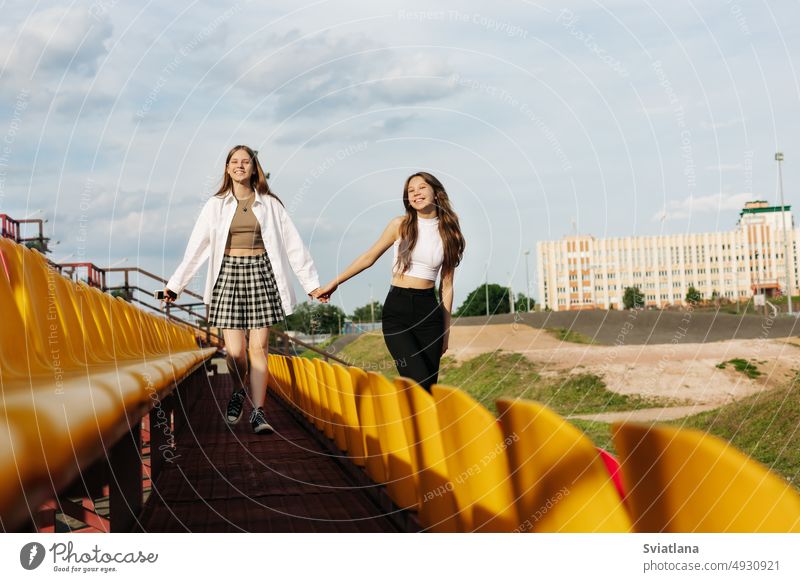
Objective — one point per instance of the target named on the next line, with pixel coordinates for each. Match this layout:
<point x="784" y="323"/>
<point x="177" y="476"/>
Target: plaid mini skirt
<point x="245" y="295"/>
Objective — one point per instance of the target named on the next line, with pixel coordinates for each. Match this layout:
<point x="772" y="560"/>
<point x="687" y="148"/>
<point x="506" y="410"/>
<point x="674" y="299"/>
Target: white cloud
<point x="54" y="40"/>
<point x="328" y="73"/>
<point x="724" y="167"/>
<point x="691" y="206"/>
<point x="310" y="134"/>
<point x="371" y="74"/>
<point x="723" y="124"/>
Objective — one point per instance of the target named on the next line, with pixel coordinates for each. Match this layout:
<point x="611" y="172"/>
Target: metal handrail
<point x="10" y="228"/>
<point x="96" y="277"/>
<point x="325" y="355"/>
<point x="286" y="338"/>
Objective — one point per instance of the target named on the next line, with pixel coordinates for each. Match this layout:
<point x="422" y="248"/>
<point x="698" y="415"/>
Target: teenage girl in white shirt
<point x="252" y="245"/>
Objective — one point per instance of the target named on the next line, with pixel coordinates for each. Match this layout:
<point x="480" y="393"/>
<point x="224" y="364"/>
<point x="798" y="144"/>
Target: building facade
<point x="582" y="272"/>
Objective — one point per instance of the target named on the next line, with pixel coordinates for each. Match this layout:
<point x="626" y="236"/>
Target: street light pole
<point x="779" y="159"/>
<point x="486" y="289"/>
<point x="512" y="307"/>
<point x="371" y="305"/>
<point x="527" y="281"/>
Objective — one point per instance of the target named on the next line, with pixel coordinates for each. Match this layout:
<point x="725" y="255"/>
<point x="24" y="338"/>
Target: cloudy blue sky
<point x="611" y="118"/>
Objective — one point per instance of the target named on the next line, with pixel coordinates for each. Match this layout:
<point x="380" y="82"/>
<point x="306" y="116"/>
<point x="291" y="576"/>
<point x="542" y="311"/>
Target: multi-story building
<point x="582" y="272"/>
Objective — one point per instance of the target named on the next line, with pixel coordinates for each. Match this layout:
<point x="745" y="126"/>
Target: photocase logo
<point x="31" y="555"/>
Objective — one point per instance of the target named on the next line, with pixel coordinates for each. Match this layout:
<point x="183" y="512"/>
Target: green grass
<point x="567" y="335"/>
<point x="784" y="301"/>
<point x="311" y="354"/>
<point x="765" y="426"/>
<point x="747" y="368"/>
<point x="369" y="352"/>
<point x="744" y="309"/>
<point x="490" y="376"/>
<point x="597" y="432"/>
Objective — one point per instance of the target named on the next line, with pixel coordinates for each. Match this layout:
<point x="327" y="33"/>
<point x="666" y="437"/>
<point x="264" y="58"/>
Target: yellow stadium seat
<point x="314" y="391"/>
<point x="560" y="482"/>
<point x="40" y="330"/>
<point x="289" y="381"/>
<point x="326" y="393"/>
<point x="335" y="406"/>
<point x="150" y="333"/>
<point x="283" y="377"/>
<point x="401" y="482"/>
<point x="374" y="458"/>
<point x="273" y="374"/>
<point x="437" y="507"/>
<point x="477" y="462"/>
<point x="21" y="355"/>
<point x="66" y="398"/>
<point x="354" y="438"/>
<point x="303" y="401"/>
<point x="686" y="481"/>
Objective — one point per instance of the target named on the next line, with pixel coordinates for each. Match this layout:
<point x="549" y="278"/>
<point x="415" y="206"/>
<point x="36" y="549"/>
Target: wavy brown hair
<point x="258" y="180"/>
<point x="452" y="240"/>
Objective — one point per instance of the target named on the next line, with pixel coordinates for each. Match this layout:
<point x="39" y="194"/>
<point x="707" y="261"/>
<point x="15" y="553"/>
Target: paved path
<point x="228" y="479"/>
<point x="646" y="414"/>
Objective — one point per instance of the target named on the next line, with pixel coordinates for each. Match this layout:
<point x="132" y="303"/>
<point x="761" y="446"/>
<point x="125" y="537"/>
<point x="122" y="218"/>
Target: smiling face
<point x="420" y="195"/>
<point x="240" y="167"/>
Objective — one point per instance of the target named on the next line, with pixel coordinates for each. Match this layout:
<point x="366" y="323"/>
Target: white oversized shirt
<point x="284" y="246"/>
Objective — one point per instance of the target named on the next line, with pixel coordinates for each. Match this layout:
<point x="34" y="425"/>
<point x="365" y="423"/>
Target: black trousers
<point x="413" y="329"/>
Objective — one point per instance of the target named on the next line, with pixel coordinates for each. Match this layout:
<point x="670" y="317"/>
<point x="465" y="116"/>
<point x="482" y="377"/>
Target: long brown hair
<point x="452" y="240"/>
<point x="258" y="180"/>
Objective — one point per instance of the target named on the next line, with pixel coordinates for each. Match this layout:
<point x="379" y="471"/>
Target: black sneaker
<point x="259" y="422"/>
<point x="235" y="406"/>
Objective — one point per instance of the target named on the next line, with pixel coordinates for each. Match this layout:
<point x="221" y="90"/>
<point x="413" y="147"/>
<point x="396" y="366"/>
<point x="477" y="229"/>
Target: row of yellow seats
<point x="447" y="457"/>
<point x="76" y="367"/>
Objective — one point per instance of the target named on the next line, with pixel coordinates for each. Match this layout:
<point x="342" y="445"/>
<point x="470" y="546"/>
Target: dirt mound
<point x="679" y="370"/>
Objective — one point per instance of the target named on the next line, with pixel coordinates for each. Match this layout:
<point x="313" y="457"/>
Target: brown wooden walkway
<point x="227" y="479"/>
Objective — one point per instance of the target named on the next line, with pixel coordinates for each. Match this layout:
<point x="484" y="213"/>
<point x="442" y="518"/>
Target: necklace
<point x="244" y="202"/>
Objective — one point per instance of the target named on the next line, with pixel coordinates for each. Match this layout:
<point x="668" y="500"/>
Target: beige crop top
<point x="245" y="232"/>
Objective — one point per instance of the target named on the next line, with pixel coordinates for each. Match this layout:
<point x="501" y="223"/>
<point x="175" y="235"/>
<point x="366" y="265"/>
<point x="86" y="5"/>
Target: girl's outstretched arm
<point x="366" y="260"/>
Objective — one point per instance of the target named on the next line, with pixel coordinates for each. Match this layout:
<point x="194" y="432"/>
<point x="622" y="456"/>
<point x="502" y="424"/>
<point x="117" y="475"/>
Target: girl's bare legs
<point x="236" y="346"/>
<point x="258" y="350"/>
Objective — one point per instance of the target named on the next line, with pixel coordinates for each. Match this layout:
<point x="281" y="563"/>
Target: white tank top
<point x="428" y="253"/>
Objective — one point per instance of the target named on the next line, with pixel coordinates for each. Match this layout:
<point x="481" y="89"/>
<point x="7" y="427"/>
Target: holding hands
<point x="323" y="294"/>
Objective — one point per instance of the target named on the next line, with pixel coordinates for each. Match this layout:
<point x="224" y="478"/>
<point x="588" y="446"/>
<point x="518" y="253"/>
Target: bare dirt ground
<point x="686" y="372"/>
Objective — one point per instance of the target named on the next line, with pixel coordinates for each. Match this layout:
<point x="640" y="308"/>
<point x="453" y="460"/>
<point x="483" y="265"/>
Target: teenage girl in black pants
<point x="427" y="243"/>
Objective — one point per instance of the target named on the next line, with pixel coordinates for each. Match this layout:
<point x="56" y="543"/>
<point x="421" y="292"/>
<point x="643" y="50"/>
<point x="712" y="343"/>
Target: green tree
<point x="632" y="298"/>
<point x="127" y="295"/>
<point x="39" y="245"/>
<point x="314" y="318"/>
<point x="521" y="303"/>
<point x="364" y="314"/>
<point x="693" y="295"/>
<point x="475" y="303"/>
